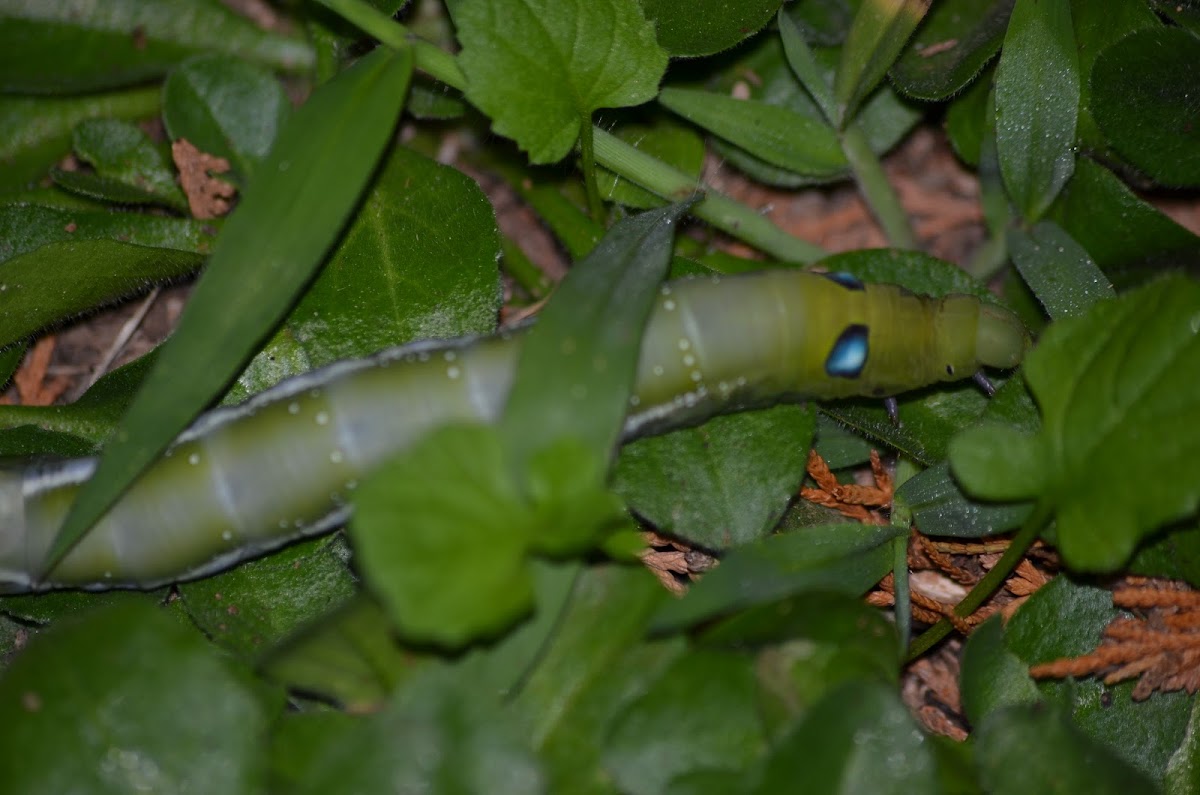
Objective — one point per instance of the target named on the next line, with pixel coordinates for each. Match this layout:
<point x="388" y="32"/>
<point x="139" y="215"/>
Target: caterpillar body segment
<point x="250" y="478"/>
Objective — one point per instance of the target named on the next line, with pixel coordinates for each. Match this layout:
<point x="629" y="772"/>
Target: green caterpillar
<point x="247" y="479"/>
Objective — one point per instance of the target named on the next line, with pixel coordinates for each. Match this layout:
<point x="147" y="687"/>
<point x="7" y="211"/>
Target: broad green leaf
<point x="60" y="280"/>
<point x="350" y="656"/>
<point x="225" y="107"/>
<point x="583" y="679"/>
<point x="1098" y="25"/>
<point x="128" y="168"/>
<point x="858" y="738"/>
<point x="154" y="709"/>
<point x="26" y="227"/>
<point x="1118" y="410"/>
<point x="1067" y="619"/>
<point x="1174" y="555"/>
<point x="577" y="366"/>
<point x="440" y="733"/>
<point x="992" y="676"/>
<point x="1120" y="231"/>
<point x="877" y="36"/>
<point x="52" y="47"/>
<point x="707" y="26"/>
<point x="539" y="68"/>
<point x="442" y="535"/>
<point x="824" y="23"/>
<point x="298" y="737"/>
<point x="1058" y="270"/>
<point x="951" y="47"/>
<point x="838" y="445"/>
<point x="666" y="140"/>
<point x="1182" y="775"/>
<point x="669" y="731"/>
<point x="35" y="132"/>
<point x="1037" y="104"/>
<point x="94" y="416"/>
<point x="1033" y="749"/>
<point x="722" y="484"/>
<point x="971" y="117"/>
<point x="940" y="508"/>
<point x="842" y="558"/>
<point x="1144" y="100"/>
<point x="418" y="262"/>
<point x="777" y="135"/>
<point x="250" y="608"/>
<point x="267" y="251"/>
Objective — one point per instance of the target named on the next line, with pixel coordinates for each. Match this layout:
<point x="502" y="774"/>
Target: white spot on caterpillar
<point x="684" y="344"/>
<point x="194" y="459"/>
<point x="665" y="289"/>
<point x="600" y="364"/>
<point x="741" y="380"/>
<point x="108" y="575"/>
<point x="351" y="485"/>
<point x="634" y="400"/>
<point x="669" y="305"/>
<point x="688" y="360"/>
<point x="283" y="523"/>
<point x="293" y="408"/>
<point x="449" y="356"/>
<point x="578" y="392"/>
<point x="697" y="376"/>
<point x="453" y="372"/>
<point x="314" y="393"/>
<point x="658" y="369"/>
<point x="336" y="457"/>
<point x="227" y="536"/>
<point x="422" y="356"/>
<point x="322" y="418"/>
<point x="567" y="346"/>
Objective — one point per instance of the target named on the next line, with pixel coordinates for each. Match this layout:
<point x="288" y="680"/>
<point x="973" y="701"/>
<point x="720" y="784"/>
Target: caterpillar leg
<point x="984" y="384"/>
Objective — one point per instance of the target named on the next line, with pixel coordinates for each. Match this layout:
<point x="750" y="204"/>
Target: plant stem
<point x="587" y="161"/>
<point x="722" y="212"/>
<point x="900" y="591"/>
<point x="873" y="182"/>
<point x="991" y="581"/>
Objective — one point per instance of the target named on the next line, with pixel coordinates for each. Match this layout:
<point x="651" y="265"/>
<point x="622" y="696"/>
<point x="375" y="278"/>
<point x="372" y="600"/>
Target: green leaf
<point x="858" y="738"/>
<point x="1037" y="104"/>
<point x="26" y="227"/>
<point x="128" y="167"/>
<point x="940" y="508"/>
<point x="779" y="136"/>
<point x="951" y="47"/>
<point x="722" y="484"/>
<point x="442" y="536"/>
<point x="1183" y="771"/>
<point x="582" y="679"/>
<point x="1058" y="270"/>
<point x="1033" y="749"/>
<point x="1173" y="555"/>
<point x="539" y="68"/>
<point x="1067" y="619"/>
<point x="1147" y="106"/>
<point x="992" y="676"/>
<point x="843" y="558"/>
<point x="226" y="107"/>
<point x="252" y="607"/>
<point x="804" y="64"/>
<point x="1120" y="231"/>
<point x="266" y="253"/>
<point x="53" y="47"/>
<point x="424" y="233"/>
<point x="439" y="733"/>
<point x="350" y="657"/>
<point x="668" y="731"/>
<point x="577" y="365"/>
<point x="970" y="118"/>
<point x="877" y="36"/>
<point x="707" y="26"/>
<point x="35" y="132"/>
<point x="154" y="709"/>
<point x="1118" y="410"/>
<point x="59" y="280"/>
<point x="1184" y="13"/>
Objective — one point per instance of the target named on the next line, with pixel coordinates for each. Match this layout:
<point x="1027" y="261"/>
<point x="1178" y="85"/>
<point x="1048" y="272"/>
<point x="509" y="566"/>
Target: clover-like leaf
<point x="1116" y="458"/>
<point x="539" y="68"/>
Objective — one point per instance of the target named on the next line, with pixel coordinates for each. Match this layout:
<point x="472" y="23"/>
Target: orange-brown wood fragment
<point x="208" y="196"/>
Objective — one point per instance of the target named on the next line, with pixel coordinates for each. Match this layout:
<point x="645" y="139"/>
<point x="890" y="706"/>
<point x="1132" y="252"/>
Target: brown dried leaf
<point x="208" y="196"/>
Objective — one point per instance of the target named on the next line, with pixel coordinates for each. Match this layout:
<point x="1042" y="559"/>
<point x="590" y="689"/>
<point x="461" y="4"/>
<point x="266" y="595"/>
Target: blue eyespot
<point x="846" y="280"/>
<point x="848" y="356"/>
